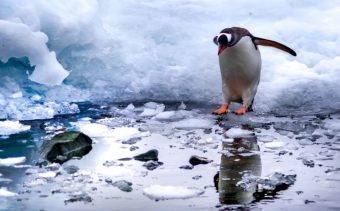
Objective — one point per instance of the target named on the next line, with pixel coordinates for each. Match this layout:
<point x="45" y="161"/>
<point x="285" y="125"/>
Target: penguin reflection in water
<point x="240" y="64"/>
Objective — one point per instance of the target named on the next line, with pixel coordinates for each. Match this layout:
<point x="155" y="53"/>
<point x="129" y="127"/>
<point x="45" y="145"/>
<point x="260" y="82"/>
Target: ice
<point x="238" y="133"/>
<point x="48" y="174"/>
<point x="166" y="115"/>
<point x="18" y="40"/>
<point x="6" y="193"/>
<point x="275" y="144"/>
<point x="193" y="123"/>
<point x="90" y="38"/>
<point x="12" y="161"/>
<point x="8" y="127"/>
<point x="152" y="109"/>
<point x="95" y="130"/>
<point x="165" y="192"/>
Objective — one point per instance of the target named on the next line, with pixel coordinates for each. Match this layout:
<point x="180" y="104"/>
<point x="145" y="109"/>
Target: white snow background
<point x="147" y="49"/>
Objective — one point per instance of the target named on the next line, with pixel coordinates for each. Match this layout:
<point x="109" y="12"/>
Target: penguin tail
<point x="271" y="43"/>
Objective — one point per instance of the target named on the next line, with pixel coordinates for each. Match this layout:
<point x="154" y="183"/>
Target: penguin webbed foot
<point x="241" y="110"/>
<point x="222" y="110"/>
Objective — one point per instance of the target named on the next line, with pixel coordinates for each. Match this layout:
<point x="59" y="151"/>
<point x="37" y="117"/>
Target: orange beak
<point x="221" y="49"/>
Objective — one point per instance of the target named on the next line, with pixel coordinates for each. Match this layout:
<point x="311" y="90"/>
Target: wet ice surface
<point x="256" y="161"/>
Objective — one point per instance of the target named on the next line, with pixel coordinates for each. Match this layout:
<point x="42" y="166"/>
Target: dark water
<point x="307" y="146"/>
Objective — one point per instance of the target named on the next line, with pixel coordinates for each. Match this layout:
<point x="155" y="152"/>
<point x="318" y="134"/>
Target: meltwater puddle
<point x="172" y="157"/>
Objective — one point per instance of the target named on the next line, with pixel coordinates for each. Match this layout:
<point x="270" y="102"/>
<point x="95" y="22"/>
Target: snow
<point x="12" y="161"/>
<point x="92" y="39"/>
<point x="164" y="192"/>
<point x="48" y="174"/>
<point x="152" y="109"/>
<point x="18" y="40"/>
<point x="275" y="144"/>
<point x="95" y="130"/>
<point x="166" y="115"/>
<point x="8" y="127"/>
<point x="6" y="193"/>
<point x="194" y="123"/>
<point x="238" y="133"/>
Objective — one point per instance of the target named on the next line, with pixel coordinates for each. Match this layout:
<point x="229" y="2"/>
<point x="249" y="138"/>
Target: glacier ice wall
<point x="148" y="49"/>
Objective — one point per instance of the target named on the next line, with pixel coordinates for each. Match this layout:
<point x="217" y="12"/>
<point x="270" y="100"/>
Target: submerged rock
<point x="196" y="160"/>
<point x="152" y="165"/>
<point x="308" y="163"/>
<point x="82" y="197"/>
<point x="123" y="185"/>
<point x="149" y="155"/>
<point x="272" y="183"/>
<point x="65" y="146"/>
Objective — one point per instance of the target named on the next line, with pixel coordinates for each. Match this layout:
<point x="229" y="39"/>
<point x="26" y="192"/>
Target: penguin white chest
<point x="240" y="69"/>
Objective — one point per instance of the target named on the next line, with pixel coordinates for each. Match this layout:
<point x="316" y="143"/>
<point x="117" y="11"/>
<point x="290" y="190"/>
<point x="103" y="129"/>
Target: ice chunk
<point x="163" y="192"/>
<point x="193" y="123"/>
<point x="6" y="193"/>
<point x="11" y="161"/>
<point x="48" y="174"/>
<point x="275" y="144"/>
<point x="18" y="40"/>
<point x="152" y="109"/>
<point x="96" y="130"/>
<point x="165" y="115"/>
<point x="238" y="133"/>
<point x="11" y="127"/>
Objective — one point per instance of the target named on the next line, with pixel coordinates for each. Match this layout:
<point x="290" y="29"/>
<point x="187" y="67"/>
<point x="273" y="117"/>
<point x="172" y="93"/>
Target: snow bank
<point x="11" y="127"/>
<point x="12" y="161"/>
<point x="18" y="40"/>
<point x="162" y="192"/>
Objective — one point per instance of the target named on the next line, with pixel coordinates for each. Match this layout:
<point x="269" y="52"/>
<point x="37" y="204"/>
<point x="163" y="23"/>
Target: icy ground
<point x="243" y="160"/>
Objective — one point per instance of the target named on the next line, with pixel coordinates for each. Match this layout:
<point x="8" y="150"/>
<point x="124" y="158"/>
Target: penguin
<point x="240" y="65"/>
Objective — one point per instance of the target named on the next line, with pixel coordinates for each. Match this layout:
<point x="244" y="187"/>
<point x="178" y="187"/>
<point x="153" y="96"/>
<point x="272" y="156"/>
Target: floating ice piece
<point x="6" y="193"/>
<point x="182" y="106"/>
<point x="165" y="115"/>
<point x="48" y="174"/>
<point x="238" y="133"/>
<point x="275" y="145"/>
<point x="194" y="123"/>
<point x="161" y="192"/>
<point x="152" y="109"/>
<point x="11" y="161"/>
<point x="11" y="127"/>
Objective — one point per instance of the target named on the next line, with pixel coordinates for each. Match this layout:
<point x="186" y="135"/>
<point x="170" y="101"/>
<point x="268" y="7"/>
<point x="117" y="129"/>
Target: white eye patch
<point x="226" y="34"/>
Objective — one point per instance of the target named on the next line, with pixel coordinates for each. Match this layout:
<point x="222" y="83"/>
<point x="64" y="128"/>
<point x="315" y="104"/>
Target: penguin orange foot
<point x="241" y="111"/>
<point x="222" y="110"/>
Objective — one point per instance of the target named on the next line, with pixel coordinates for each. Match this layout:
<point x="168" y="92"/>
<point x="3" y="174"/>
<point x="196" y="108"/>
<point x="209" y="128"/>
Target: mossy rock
<point x="65" y="146"/>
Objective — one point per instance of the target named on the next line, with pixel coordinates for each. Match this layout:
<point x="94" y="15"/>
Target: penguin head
<point x="223" y="41"/>
<point x="229" y="37"/>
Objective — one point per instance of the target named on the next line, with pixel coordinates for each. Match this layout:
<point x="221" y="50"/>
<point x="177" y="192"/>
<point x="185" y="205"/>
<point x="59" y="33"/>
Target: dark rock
<point x="309" y="163"/>
<point x="65" y="146"/>
<point x="123" y="185"/>
<point x="132" y="140"/>
<point x="108" y="180"/>
<point x="133" y="148"/>
<point x="196" y="160"/>
<point x="197" y="177"/>
<point x="149" y="155"/>
<point x="152" y="165"/>
<point x="124" y="159"/>
<point x="71" y="169"/>
<point x="187" y="167"/>
<point x="82" y="197"/>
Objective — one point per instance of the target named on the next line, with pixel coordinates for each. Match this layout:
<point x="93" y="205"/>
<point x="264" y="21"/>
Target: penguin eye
<point x="228" y="35"/>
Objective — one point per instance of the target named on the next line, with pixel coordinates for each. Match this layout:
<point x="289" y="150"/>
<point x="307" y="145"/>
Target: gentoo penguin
<point x="240" y="65"/>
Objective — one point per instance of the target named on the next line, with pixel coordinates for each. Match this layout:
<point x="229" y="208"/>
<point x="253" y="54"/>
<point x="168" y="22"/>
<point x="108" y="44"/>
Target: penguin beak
<point x="221" y="48"/>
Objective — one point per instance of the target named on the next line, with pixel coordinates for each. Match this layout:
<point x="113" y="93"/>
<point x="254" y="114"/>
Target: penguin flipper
<point x="271" y="43"/>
